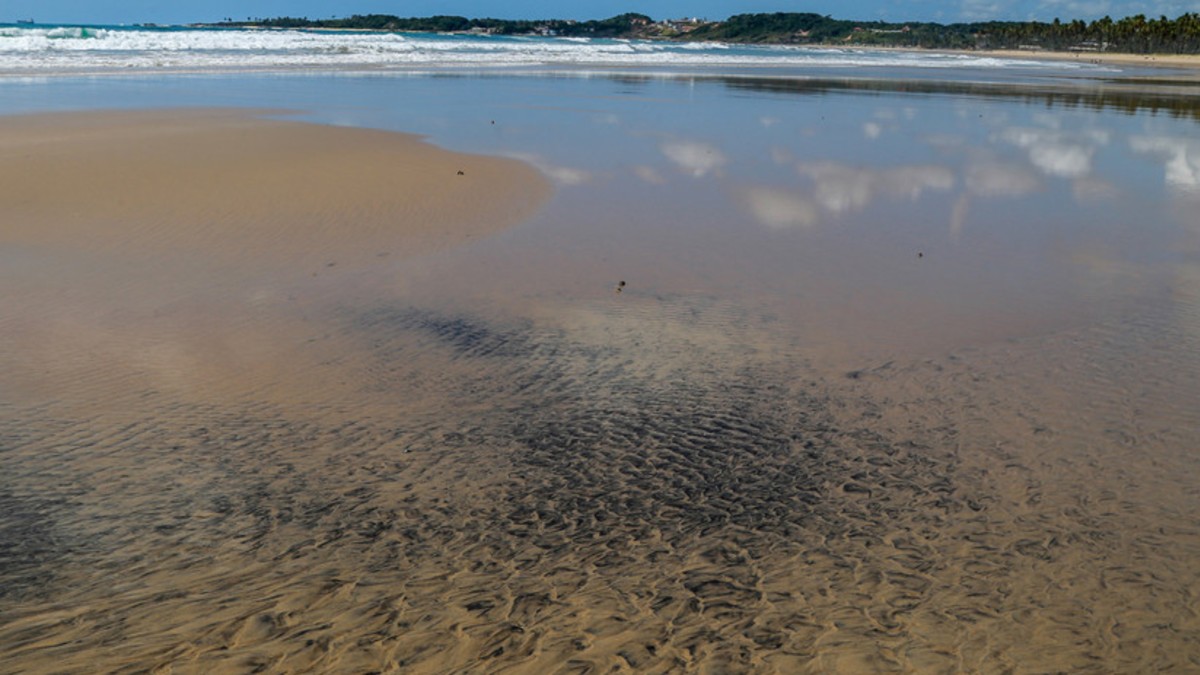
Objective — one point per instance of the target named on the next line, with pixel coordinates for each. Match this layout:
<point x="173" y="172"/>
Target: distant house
<point x="682" y="25"/>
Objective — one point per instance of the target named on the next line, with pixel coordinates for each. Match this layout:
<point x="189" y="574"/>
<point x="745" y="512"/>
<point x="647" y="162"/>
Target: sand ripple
<point x="587" y="506"/>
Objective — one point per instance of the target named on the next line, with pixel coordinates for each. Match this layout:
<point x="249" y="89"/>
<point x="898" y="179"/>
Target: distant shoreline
<point x="1157" y="60"/>
<point x="1129" y="35"/>
<point x="1165" y="60"/>
<point x="1152" y="60"/>
<point x="1184" y="61"/>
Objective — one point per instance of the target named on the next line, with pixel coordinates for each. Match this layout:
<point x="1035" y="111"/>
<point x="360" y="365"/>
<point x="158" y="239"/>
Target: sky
<point x="944" y="11"/>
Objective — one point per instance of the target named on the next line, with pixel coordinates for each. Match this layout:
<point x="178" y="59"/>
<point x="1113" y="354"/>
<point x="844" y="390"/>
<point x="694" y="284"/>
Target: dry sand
<point x="633" y="483"/>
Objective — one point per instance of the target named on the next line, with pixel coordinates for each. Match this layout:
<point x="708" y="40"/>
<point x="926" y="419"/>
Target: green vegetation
<point x="1135" y="34"/>
<point x="625" y="25"/>
<point x="791" y="28"/>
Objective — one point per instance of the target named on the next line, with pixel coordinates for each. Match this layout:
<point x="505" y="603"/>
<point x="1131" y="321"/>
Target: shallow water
<point x="903" y="376"/>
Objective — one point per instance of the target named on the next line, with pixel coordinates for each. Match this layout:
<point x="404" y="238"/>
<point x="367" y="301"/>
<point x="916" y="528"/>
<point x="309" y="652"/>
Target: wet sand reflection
<point x="484" y="459"/>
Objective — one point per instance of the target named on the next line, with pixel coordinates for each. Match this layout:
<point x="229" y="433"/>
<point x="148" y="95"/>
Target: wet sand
<point x="384" y="478"/>
<point x="234" y="186"/>
<point x="140" y="238"/>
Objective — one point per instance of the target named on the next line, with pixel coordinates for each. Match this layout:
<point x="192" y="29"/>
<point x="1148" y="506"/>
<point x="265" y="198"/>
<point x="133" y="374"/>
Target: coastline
<point x="1163" y="60"/>
<point x="1176" y="61"/>
<point x="372" y="50"/>
<point x="1179" y="61"/>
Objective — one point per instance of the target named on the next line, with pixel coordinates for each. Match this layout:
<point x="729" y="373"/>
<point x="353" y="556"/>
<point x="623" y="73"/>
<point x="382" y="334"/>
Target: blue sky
<point x="186" y="11"/>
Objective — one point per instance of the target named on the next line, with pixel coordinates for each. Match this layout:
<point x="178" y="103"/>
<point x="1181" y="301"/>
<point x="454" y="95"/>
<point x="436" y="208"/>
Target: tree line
<point x="1135" y="34"/>
<point x="624" y="25"/>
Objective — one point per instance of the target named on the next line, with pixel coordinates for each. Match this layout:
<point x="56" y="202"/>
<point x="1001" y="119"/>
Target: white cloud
<point x="912" y="181"/>
<point x="1065" y="161"/>
<point x="1057" y="153"/>
<point x="693" y="157"/>
<point x="839" y="188"/>
<point x="780" y="209"/>
<point x="1181" y="160"/>
<point x="872" y="130"/>
<point x="563" y="175"/>
<point x="1183" y="171"/>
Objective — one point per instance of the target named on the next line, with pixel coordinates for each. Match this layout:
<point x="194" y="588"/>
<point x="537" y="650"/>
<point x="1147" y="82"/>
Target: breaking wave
<point x="49" y="49"/>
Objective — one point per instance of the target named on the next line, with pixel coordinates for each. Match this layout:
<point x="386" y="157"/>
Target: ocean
<point x="806" y="360"/>
<point x="37" y="49"/>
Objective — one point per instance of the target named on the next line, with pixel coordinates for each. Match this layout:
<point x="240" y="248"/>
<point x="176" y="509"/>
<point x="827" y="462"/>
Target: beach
<point x="1172" y="62"/>
<point x="254" y="207"/>
<point x="1186" y="62"/>
<point x="598" y="372"/>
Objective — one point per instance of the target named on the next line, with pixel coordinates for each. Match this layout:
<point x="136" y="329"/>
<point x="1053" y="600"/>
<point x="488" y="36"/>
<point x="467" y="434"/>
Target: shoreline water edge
<point x="66" y="50"/>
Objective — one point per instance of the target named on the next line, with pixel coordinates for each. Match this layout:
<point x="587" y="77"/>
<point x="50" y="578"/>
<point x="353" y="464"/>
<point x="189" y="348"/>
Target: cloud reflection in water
<point x="780" y="209"/>
<point x="1057" y="153"/>
<point x="561" y="175"/>
<point x="1181" y="157"/>
<point x="840" y="188"/>
<point x="693" y="157"/>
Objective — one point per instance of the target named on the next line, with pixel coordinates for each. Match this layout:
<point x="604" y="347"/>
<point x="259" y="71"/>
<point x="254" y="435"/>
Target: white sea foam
<point x="25" y="49"/>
